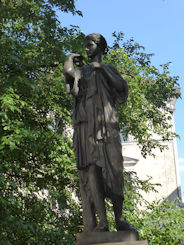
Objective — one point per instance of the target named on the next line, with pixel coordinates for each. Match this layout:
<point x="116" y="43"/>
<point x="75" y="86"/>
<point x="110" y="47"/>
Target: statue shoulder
<point x="112" y="68"/>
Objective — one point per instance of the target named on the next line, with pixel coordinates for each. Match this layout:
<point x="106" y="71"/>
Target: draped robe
<point x="96" y="131"/>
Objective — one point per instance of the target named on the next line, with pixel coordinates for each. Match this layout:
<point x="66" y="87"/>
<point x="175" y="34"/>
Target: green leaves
<point x="147" y="117"/>
<point x="162" y="223"/>
<point x="148" y="111"/>
<point x="37" y="166"/>
<point x="159" y="222"/>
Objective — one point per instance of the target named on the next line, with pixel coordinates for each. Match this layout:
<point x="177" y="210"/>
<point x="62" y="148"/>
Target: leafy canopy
<point x="148" y="112"/>
<point x="36" y="158"/>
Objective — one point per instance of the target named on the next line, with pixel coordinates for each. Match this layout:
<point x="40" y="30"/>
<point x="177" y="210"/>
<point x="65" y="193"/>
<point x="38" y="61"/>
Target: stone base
<point x="123" y="243"/>
<point x="111" y="238"/>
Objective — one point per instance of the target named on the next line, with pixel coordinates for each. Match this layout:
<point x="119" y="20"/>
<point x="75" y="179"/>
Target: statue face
<point x="91" y="48"/>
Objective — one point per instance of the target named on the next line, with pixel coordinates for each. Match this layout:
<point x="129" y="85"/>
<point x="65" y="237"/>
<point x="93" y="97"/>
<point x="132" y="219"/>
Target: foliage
<point x="160" y="222"/>
<point x="38" y="176"/>
<point x="147" y="112"/>
<point x="37" y="163"/>
<point x="37" y="169"/>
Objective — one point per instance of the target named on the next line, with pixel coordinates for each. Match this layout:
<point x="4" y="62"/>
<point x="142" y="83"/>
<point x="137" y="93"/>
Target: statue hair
<point x="99" y="40"/>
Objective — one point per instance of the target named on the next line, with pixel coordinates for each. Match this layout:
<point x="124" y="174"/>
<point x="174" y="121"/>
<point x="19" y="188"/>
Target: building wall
<point x="162" y="168"/>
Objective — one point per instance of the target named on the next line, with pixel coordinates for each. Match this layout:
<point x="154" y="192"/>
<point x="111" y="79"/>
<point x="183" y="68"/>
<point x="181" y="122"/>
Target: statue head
<point x="99" y="40"/>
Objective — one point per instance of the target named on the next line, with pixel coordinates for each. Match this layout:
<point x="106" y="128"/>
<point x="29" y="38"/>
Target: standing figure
<point x="96" y="137"/>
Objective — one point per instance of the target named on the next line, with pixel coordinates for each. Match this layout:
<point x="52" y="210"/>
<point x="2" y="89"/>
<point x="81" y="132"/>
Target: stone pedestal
<point x="109" y="238"/>
<point x="124" y="243"/>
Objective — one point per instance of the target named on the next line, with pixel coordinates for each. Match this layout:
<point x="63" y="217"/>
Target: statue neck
<point x="97" y="58"/>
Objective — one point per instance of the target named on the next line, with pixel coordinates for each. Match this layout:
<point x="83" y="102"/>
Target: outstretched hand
<point x="73" y="55"/>
<point x="75" y="58"/>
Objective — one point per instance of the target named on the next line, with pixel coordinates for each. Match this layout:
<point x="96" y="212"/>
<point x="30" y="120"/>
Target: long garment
<point x="96" y="131"/>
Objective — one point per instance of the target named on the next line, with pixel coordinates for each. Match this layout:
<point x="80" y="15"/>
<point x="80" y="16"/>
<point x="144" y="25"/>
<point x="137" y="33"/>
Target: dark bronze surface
<point x="96" y="89"/>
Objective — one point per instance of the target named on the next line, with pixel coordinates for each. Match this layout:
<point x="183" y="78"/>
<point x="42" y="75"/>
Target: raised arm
<point x="72" y="74"/>
<point x="69" y="69"/>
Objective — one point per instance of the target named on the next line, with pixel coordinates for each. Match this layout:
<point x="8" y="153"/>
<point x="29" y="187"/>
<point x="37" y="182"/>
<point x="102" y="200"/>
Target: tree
<point x="37" y="165"/>
<point x="160" y="222"/>
<point x="146" y="111"/>
<point x="145" y="114"/>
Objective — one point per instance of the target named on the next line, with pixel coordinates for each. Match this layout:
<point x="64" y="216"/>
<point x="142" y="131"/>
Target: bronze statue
<point x="96" y="89"/>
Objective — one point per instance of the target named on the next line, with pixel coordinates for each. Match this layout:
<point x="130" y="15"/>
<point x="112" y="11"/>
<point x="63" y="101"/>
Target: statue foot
<point x="123" y="225"/>
<point x="101" y="227"/>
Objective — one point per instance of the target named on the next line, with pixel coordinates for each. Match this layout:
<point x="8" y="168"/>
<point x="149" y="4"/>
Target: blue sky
<point x="155" y="24"/>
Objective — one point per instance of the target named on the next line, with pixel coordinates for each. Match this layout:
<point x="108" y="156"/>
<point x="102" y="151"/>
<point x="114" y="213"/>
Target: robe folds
<point x="96" y="131"/>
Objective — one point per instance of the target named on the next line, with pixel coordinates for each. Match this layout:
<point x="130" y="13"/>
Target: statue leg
<point x="89" y="218"/>
<point x="121" y="224"/>
<point x="97" y="193"/>
<point x="117" y="207"/>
